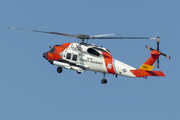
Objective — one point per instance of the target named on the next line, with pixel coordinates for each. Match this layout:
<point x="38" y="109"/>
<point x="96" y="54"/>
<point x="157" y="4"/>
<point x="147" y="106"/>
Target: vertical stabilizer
<point x="148" y="64"/>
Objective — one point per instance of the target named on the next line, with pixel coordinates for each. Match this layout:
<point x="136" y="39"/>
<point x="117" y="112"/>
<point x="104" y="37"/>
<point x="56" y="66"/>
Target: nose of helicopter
<point x="45" y="55"/>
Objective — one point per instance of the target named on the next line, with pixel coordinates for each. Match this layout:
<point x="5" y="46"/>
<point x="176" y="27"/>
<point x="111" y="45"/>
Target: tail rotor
<point x="158" y="39"/>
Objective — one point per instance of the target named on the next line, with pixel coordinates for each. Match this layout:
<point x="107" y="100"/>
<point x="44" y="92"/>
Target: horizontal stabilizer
<point x="156" y="73"/>
<point x="144" y="73"/>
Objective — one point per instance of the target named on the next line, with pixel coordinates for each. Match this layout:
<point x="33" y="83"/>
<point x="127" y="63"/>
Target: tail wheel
<point x="78" y="72"/>
<point x="59" y="69"/>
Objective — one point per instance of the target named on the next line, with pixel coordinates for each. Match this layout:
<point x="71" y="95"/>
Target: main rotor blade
<point x="94" y="36"/>
<point x="123" y="38"/>
<point x="45" y="32"/>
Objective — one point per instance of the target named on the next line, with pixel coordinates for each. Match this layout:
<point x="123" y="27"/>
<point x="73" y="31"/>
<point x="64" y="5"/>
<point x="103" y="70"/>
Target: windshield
<point x="52" y="50"/>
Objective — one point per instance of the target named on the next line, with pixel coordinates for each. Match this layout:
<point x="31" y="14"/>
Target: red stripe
<point x="108" y="62"/>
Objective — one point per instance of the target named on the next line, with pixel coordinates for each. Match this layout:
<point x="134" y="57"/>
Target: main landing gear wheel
<point x="103" y="81"/>
<point x="59" y="69"/>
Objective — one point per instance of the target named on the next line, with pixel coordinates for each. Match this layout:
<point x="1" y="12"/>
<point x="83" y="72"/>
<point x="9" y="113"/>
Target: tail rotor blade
<point x="158" y="43"/>
<point x="158" y="63"/>
<point x="166" y="55"/>
<point x="149" y="48"/>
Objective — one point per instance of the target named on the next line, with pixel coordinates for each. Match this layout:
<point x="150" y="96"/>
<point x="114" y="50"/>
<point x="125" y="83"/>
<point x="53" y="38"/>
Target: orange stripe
<point x="108" y="62"/>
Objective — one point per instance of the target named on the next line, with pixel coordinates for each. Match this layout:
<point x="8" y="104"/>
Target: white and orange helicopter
<point x="83" y="56"/>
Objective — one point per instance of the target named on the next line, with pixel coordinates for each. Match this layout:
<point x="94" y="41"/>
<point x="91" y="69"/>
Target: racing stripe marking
<point x="109" y="62"/>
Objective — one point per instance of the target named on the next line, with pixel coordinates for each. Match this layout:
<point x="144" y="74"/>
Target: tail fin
<point x="148" y="64"/>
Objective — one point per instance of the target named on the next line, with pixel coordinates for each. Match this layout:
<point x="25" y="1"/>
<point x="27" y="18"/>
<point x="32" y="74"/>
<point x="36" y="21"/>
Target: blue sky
<point x="31" y="89"/>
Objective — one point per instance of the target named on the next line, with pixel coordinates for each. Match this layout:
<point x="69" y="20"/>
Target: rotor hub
<point x="83" y="36"/>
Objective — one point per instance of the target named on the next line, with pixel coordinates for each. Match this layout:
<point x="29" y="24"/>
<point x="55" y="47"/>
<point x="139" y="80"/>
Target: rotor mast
<point x="83" y="37"/>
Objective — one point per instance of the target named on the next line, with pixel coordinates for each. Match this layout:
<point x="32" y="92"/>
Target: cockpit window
<point x="52" y="50"/>
<point x="100" y="49"/>
<point x="93" y="52"/>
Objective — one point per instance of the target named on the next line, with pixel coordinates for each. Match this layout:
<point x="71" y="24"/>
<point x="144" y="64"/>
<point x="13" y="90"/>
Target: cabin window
<point x="68" y="56"/>
<point x="93" y="52"/>
<point x="74" y="58"/>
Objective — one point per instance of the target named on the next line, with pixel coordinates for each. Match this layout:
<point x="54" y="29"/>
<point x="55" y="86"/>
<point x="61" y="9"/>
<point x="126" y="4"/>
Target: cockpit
<point x="55" y="52"/>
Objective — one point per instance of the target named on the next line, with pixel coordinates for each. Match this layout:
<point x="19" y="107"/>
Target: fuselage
<point x="88" y="57"/>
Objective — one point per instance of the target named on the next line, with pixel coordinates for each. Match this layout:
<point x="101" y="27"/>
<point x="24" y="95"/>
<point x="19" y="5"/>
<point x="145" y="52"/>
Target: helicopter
<point x="82" y="57"/>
